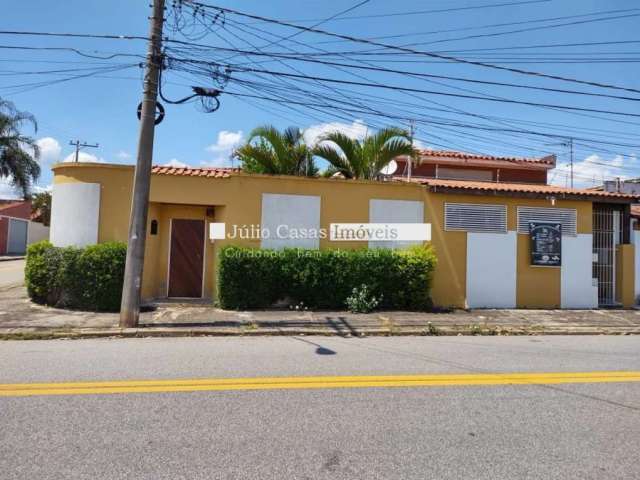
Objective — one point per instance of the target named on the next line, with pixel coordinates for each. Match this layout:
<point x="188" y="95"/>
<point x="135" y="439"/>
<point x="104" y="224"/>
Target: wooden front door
<point x="186" y="258"/>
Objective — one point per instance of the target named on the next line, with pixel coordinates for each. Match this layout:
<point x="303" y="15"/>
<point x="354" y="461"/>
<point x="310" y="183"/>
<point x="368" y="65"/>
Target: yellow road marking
<point x="281" y="383"/>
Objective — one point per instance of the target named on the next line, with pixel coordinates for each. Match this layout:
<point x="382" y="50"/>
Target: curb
<point x="150" y="332"/>
<point x="11" y="259"/>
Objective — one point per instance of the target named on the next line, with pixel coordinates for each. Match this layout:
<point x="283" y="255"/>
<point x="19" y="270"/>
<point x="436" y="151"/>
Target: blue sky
<point x="102" y="108"/>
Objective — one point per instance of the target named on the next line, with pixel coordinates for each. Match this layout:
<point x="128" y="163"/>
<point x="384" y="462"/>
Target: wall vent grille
<point x="469" y="217"/>
<point x="566" y="216"/>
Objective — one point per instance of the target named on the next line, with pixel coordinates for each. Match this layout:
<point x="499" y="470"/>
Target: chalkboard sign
<point x="546" y="244"/>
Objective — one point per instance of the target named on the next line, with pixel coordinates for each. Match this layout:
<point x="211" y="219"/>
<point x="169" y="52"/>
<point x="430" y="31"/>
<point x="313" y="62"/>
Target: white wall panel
<point x="395" y="211"/>
<point x="292" y="214"/>
<point x="491" y="270"/>
<point x="636" y="241"/>
<point x="37" y="232"/>
<point x="576" y="273"/>
<point x="75" y="211"/>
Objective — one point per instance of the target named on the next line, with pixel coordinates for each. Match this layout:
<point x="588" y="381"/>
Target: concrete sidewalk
<point x="20" y="318"/>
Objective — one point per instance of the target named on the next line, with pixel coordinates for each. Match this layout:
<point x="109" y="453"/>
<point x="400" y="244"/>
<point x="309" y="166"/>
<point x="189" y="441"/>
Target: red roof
<point x="436" y="183"/>
<point x="194" y="172"/>
<point x="11" y="204"/>
<point x="546" y="161"/>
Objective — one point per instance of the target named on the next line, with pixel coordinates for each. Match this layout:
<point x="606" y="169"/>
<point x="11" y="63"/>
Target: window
<point x="465" y="174"/>
<point x="565" y="216"/>
<point x="468" y="217"/>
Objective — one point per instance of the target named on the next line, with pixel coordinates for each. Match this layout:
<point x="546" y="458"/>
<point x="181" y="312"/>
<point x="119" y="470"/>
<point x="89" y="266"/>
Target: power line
<point x="70" y="49"/>
<point x="423" y="75"/>
<point x="418" y="52"/>
<point x="321" y="22"/>
<point x="417" y="90"/>
<point x="496" y="25"/>
<point x="73" y="35"/>
<point x="422" y="12"/>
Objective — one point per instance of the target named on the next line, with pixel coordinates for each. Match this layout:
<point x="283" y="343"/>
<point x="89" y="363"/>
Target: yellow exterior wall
<point x="625" y="275"/>
<point x="238" y="200"/>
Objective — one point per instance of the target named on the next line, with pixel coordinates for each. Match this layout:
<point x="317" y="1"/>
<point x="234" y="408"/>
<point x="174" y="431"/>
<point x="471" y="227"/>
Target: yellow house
<point x="480" y="229"/>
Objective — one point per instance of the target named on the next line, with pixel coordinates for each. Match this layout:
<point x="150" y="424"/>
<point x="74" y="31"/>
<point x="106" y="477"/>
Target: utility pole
<point x="130" y="306"/>
<point x="571" y="158"/>
<point x="412" y="131"/>
<point x="80" y="145"/>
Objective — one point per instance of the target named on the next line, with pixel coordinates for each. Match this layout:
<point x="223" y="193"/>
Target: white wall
<point x="36" y="232"/>
<point x="295" y="212"/>
<point x="636" y="242"/>
<point x="491" y="270"/>
<point x="75" y="210"/>
<point x="576" y="273"/>
<point x="395" y="211"/>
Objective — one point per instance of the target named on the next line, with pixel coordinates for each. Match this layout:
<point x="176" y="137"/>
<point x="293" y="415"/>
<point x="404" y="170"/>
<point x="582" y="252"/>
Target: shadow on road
<point x="320" y="350"/>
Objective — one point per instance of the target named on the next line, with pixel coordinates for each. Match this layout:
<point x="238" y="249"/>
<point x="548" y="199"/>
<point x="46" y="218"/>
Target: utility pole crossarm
<point x="78" y="144"/>
<point x="130" y="306"/>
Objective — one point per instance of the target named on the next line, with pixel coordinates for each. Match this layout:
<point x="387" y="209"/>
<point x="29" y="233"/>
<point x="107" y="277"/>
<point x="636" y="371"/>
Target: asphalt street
<point x="567" y="430"/>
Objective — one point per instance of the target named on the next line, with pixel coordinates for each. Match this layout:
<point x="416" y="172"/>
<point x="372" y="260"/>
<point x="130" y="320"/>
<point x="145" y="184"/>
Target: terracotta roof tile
<point x="550" y="160"/>
<point x="13" y="204"/>
<point x="194" y="172"/>
<point x="517" y="188"/>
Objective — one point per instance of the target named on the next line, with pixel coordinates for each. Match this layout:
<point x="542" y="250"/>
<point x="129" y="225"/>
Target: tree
<point x="19" y="153"/>
<point x="41" y="207"/>
<point x="363" y="159"/>
<point x="272" y="152"/>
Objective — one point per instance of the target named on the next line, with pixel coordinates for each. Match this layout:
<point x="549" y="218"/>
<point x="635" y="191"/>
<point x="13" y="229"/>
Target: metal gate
<point x="607" y="234"/>
<point x="17" y="238"/>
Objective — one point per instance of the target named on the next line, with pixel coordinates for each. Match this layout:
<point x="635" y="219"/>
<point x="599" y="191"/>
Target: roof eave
<point x="538" y="195"/>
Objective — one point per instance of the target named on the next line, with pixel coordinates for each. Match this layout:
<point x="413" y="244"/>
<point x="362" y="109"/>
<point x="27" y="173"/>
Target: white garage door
<point x="17" y="236"/>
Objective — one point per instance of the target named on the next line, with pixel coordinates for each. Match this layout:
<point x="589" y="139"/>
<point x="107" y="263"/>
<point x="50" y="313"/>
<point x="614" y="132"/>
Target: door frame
<point x="204" y="256"/>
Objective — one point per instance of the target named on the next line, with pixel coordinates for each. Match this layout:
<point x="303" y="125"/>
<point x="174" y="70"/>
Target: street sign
<point x="546" y="244"/>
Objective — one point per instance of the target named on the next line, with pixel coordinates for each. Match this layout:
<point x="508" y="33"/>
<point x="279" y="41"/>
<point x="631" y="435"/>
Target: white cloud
<point x="50" y="150"/>
<point x="356" y="129"/>
<point x="122" y="155"/>
<point x="223" y="148"/>
<point x="83" y="157"/>
<point x="419" y="144"/>
<point x="174" y="162"/>
<point x="227" y="141"/>
<point x="8" y="191"/>
<point x="594" y="169"/>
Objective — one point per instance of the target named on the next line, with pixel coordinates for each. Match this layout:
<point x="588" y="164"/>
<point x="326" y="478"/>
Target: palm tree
<point x="273" y="152"/>
<point x="363" y="159"/>
<point x="18" y="153"/>
<point x="41" y="207"/>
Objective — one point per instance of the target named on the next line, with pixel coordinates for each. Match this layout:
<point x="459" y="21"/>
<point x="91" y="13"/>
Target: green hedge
<point x="252" y="278"/>
<point x="84" y="278"/>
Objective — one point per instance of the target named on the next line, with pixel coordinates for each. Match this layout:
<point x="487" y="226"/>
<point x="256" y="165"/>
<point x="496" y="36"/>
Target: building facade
<point x="16" y="228"/>
<point x="479" y="229"/>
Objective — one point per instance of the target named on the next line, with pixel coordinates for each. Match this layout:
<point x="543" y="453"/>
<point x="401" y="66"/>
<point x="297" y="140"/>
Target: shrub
<point x="253" y="278"/>
<point x="87" y="278"/>
<point x="362" y="301"/>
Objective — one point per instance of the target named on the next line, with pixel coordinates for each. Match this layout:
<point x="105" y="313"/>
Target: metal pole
<point x="571" y="154"/>
<point x="412" y="127"/>
<point x="78" y="144"/>
<point x="130" y="306"/>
